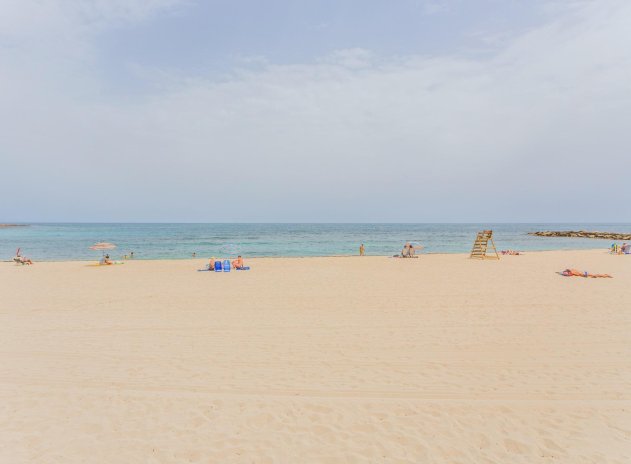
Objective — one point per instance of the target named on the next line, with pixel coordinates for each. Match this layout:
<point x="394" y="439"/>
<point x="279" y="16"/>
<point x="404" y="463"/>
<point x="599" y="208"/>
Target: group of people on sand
<point x="625" y="249"/>
<point x="235" y="263"/>
<point x="409" y="251"/>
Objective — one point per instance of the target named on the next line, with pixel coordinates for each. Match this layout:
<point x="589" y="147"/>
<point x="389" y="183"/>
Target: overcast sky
<point x="315" y="111"/>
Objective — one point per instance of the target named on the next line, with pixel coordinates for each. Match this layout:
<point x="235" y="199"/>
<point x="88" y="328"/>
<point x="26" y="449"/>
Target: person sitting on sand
<point x="238" y="263"/>
<point x="624" y="249"/>
<point x="577" y="273"/>
<point x="106" y="260"/>
<point x="405" y="253"/>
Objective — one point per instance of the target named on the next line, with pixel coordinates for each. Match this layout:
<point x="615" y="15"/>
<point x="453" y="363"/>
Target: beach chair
<point x="481" y="245"/>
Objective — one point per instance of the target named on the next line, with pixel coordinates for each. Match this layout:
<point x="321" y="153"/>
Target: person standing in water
<point x="362" y="250"/>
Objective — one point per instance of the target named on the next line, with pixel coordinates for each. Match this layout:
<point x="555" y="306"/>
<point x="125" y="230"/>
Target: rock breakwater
<point x="582" y="234"/>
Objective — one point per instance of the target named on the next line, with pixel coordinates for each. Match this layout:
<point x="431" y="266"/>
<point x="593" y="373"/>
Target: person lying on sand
<point x="577" y="273"/>
<point x="21" y="259"/>
<point x="238" y="263"/>
<point x="510" y="252"/>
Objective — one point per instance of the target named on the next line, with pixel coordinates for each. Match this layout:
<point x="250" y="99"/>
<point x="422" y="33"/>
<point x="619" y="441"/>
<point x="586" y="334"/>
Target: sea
<point x="57" y="242"/>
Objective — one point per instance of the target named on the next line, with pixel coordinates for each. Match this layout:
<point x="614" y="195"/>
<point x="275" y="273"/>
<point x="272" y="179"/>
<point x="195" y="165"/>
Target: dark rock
<point x="582" y="234"/>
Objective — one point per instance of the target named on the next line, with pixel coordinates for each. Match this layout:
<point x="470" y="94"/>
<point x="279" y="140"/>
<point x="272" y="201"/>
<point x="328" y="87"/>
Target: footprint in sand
<point x="516" y="447"/>
<point x="551" y="446"/>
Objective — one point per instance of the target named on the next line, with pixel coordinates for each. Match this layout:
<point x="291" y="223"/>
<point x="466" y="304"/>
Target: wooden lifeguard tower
<point x="481" y="245"/>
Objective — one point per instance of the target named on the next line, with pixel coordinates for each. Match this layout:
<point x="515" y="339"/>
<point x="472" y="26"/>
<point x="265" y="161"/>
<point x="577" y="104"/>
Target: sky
<point x="315" y="111"/>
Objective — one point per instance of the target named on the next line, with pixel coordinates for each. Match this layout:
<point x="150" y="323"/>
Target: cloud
<point x="432" y="7"/>
<point x="350" y="58"/>
<point x="535" y="132"/>
<point x="32" y="19"/>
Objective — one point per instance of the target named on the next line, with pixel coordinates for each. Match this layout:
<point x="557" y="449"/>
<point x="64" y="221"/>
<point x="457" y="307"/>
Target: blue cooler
<point x="226" y="265"/>
<point x="218" y="266"/>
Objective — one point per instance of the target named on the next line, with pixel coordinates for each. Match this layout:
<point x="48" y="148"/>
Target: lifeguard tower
<point x="481" y="246"/>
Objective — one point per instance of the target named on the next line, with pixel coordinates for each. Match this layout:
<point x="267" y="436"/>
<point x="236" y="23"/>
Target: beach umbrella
<point x="103" y="246"/>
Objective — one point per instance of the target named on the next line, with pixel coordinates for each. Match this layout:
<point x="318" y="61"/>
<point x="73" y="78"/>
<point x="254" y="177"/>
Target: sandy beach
<point x="318" y="360"/>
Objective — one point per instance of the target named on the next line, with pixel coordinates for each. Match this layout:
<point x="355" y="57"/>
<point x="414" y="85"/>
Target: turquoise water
<point x="170" y="241"/>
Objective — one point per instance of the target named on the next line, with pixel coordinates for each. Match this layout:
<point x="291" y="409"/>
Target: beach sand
<point x="318" y="360"/>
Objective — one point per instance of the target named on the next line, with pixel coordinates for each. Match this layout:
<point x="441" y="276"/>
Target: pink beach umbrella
<point x="103" y="246"/>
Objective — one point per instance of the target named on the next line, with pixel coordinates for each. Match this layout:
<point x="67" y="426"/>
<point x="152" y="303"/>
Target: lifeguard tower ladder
<point x="481" y="244"/>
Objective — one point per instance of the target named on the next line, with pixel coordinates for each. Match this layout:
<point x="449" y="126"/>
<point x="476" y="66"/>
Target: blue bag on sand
<point x="218" y="266"/>
<point x="226" y="265"/>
